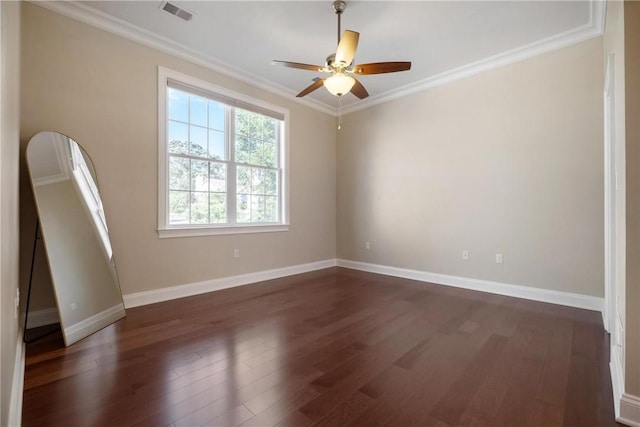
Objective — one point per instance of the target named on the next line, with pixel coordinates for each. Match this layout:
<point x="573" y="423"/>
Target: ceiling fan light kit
<point x="339" y="84"/>
<point x="340" y="65"/>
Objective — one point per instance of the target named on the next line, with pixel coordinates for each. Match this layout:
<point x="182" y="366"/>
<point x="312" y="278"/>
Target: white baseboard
<point x="37" y="318"/>
<point x="536" y="294"/>
<point x="627" y="406"/>
<point x="629" y="410"/>
<point x="93" y="324"/>
<point x="517" y="291"/>
<point x="17" y="385"/>
<point x="180" y="291"/>
<point x="617" y="377"/>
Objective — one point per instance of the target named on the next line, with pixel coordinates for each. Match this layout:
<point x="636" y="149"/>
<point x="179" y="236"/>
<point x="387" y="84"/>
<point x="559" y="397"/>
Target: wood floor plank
<point x="459" y="396"/>
<point x="346" y="411"/>
<point x="553" y="385"/>
<point x="356" y="372"/>
<point x="516" y="408"/>
<point x="546" y="414"/>
<point x="284" y="408"/>
<point x="329" y="348"/>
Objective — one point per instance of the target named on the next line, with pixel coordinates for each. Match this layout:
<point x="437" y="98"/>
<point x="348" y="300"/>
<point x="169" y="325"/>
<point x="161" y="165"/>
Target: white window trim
<point x="164" y="228"/>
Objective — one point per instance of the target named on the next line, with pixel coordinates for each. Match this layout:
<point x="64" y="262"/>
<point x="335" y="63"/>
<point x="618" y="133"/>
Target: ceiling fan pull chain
<point x="339" y="112"/>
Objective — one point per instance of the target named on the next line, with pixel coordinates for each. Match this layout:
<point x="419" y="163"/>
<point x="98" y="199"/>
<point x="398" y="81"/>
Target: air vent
<point x="177" y="11"/>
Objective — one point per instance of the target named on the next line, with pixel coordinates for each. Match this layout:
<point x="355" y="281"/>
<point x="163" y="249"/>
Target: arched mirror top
<point x="53" y="156"/>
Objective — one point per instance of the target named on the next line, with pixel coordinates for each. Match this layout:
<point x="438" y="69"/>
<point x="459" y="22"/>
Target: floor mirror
<point x="74" y="230"/>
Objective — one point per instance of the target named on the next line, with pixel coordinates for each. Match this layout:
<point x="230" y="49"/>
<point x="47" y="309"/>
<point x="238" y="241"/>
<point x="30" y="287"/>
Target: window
<point x="222" y="160"/>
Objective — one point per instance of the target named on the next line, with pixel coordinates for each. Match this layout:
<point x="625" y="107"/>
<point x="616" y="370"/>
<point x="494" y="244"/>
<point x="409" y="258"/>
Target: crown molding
<point x="594" y="28"/>
<point x="103" y="21"/>
<point x="98" y="19"/>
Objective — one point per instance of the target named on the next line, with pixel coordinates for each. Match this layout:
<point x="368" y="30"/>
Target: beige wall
<point x="509" y="161"/>
<point x="632" y="114"/>
<point x="9" y="149"/>
<point x="101" y="90"/>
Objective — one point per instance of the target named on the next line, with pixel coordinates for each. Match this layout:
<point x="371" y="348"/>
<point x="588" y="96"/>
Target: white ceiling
<point x="444" y="40"/>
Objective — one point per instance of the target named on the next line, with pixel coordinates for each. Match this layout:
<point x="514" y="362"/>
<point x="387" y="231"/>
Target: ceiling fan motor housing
<point x="330" y="60"/>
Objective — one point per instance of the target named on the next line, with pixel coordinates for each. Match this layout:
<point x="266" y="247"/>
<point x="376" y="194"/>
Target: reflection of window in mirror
<point x="83" y="178"/>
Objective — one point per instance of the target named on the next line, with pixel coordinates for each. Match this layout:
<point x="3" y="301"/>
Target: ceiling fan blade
<point x="381" y="68"/>
<point x="347" y="47"/>
<point x="298" y="65"/>
<point x="317" y="83"/>
<point x="359" y="90"/>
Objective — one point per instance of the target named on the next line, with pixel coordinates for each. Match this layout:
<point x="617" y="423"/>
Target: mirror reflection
<point x="75" y="234"/>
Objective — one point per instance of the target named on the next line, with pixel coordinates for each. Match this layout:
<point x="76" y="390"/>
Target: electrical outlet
<point x="236" y="253"/>
<point x="367" y="245"/>
<point x="499" y="259"/>
<point x="465" y="255"/>
<point x="74" y="306"/>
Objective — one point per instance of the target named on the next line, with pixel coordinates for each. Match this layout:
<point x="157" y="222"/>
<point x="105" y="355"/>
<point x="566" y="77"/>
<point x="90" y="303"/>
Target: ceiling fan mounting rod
<point x="339" y="6"/>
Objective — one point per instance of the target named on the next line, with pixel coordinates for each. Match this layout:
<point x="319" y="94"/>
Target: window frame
<point x="165" y="229"/>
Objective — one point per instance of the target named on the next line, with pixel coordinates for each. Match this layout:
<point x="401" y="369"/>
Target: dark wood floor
<point x="330" y="348"/>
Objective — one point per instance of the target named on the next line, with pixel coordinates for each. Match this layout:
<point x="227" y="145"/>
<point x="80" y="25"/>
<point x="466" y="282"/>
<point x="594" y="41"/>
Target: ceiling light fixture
<point x="339" y="84"/>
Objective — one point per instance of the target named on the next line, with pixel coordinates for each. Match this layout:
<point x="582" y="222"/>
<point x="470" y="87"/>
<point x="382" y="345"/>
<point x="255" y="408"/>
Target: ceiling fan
<point x="340" y="65"/>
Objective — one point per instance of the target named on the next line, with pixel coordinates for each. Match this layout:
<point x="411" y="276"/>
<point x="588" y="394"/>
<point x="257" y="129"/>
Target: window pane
<point x="216" y="115"/>
<point x="256" y="152"/>
<point x="178" y="173"/>
<point x="270" y="154"/>
<point x="218" y="206"/>
<point x="243" y="180"/>
<point x="177" y="137"/>
<point x="198" y="137"/>
<point x="199" y="208"/>
<point x="197" y="111"/>
<point x="257" y="209"/>
<point x="271" y="182"/>
<point x="271" y="209"/>
<point x="257" y="181"/>
<point x="216" y="145"/>
<point x="218" y="177"/>
<point x="242" y="122"/>
<point x="255" y="123"/>
<point x="199" y="175"/>
<point x="243" y="150"/>
<point x="178" y="105"/>
<point x="269" y="129"/>
<point x="178" y="207"/>
<point x="243" y="208"/>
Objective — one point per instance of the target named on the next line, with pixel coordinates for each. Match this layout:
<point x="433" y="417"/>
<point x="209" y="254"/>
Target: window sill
<point x="216" y="231"/>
